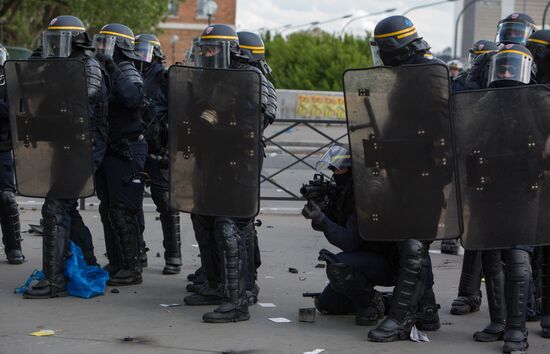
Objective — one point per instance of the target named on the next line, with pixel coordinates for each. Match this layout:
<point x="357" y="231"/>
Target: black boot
<point x="469" y="294"/>
<point x="406" y="294"/>
<point x="495" y="285"/>
<point x="126" y="229"/>
<point x="194" y="275"/>
<point x="235" y="305"/>
<point x="111" y="243"/>
<point x="205" y="296"/>
<point x="54" y="243"/>
<point x="172" y="242"/>
<point x="545" y="281"/>
<point x="427" y="317"/>
<point x="449" y="247"/>
<point x="11" y="229"/>
<point x="518" y="276"/>
<point x="344" y="280"/>
<point x="200" y="281"/>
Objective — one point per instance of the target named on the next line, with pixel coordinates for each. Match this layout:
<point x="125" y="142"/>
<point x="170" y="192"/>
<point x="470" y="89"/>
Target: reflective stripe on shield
<point x="214" y="118"/>
<point x="50" y="126"/>
<point x="401" y="144"/>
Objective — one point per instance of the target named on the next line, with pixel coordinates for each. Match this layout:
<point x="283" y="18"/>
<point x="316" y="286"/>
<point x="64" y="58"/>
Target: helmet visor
<point x="336" y="157"/>
<point x="104" y="44"/>
<point x="144" y="50"/>
<point x="510" y="66"/>
<point x="3" y="56"/>
<point x="375" y="52"/>
<point x="513" y="32"/>
<point x="213" y="55"/>
<point x="56" y="44"/>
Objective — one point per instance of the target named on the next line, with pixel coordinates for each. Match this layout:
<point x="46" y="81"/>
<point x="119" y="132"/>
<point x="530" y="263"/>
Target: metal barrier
<point x="292" y="124"/>
<point x="269" y="140"/>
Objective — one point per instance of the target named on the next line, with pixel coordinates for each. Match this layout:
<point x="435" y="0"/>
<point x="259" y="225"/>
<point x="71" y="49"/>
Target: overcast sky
<point x="435" y="24"/>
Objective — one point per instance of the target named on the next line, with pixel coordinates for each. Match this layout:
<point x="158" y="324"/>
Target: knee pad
<point x="52" y="211"/>
<point x="518" y="266"/>
<point x="411" y="254"/>
<point x="339" y="275"/>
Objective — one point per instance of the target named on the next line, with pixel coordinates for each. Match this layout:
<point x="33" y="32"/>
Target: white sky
<point x="435" y="24"/>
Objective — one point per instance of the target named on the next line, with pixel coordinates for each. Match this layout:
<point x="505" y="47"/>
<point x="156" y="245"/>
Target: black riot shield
<point x="215" y="141"/>
<point x="401" y="144"/>
<point x="50" y="124"/>
<point x="500" y="139"/>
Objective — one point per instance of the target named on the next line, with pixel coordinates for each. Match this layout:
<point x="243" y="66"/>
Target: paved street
<point x="99" y="325"/>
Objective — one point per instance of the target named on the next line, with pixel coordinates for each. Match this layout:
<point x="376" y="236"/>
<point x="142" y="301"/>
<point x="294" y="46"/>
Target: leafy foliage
<point x="24" y="20"/>
<point x="315" y="60"/>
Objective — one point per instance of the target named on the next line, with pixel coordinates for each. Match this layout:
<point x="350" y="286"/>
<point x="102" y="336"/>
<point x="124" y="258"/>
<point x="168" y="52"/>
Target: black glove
<point x="313" y="212"/>
<point x="108" y="62"/>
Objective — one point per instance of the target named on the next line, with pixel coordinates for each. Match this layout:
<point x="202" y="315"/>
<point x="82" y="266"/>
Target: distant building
<point x="187" y="20"/>
<point x="479" y="21"/>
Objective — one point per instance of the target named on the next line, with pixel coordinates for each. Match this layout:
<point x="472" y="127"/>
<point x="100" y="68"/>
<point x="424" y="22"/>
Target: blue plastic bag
<point x="36" y="274"/>
<point x="83" y="280"/>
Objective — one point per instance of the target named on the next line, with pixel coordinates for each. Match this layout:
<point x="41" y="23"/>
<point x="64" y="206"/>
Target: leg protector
<point x="111" y="242"/>
<point x="248" y="232"/>
<point x="518" y="275"/>
<point x="545" y="291"/>
<point x="11" y="228"/>
<point x="469" y="293"/>
<point x="406" y="295"/>
<point x="170" y="221"/>
<point x="368" y="304"/>
<point x="210" y="253"/>
<point x="126" y="227"/>
<point x="495" y="285"/>
<point x="235" y="306"/>
<point x="54" y="241"/>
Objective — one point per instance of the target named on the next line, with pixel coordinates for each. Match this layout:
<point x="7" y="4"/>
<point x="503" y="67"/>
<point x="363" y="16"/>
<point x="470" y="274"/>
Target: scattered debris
<point x="115" y="291"/>
<point x="316" y="351"/>
<point x="195" y="245"/>
<point x="293" y="270"/>
<point x="268" y="277"/>
<point x="43" y="333"/>
<point x="280" y="320"/>
<point x="170" y="305"/>
<point x="445" y="323"/>
<point x="418" y="336"/>
<point x="270" y="226"/>
<point x="158" y="254"/>
<point x="320" y="265"/>
<point x="302" y="279"/>
<point x="307" y="314"/>
<point x="266" y="304"/>
<point x="37" y="229"/>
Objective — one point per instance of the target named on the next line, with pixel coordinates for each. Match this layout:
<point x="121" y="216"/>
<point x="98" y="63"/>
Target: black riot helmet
<point x="510" y="66"/>
<point x="115" y="35"/>
<point x="515" y="29"/>
<point x="480" y="47"/>
<point x="216" y="44"/>
<point x="395" y="40"/>
<point x="4" y="55"/>
<point x="147" y="47"/>
<point x="62" y="34"/>
<point x="252" y="47"/>
<point x="539" y="44"/>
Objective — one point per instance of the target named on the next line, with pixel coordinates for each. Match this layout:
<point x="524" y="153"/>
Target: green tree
<point x="22" y="21"/>
<point x="315" y="60"/>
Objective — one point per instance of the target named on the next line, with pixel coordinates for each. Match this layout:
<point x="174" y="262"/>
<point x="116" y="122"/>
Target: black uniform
<point x="9" y="211"/>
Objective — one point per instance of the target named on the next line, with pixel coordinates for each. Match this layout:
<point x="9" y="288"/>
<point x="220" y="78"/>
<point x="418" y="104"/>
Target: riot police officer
<point x="120" y="178"/>
<point x="361" y="265"/>
<point x="147" y="47"/>
<point x="539" y="45"/>
<point x="9" y="211"/>
<point x="396" y="42"/>
<point x="507" y="287"/>
<point x="469" y="293"/>
<point x="66" y="37"/>
<point x="217" y="236"/>
<point x="513" y="29"/>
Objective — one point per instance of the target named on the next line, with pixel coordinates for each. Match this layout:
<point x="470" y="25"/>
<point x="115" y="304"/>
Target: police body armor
<point x="214" y="138"/>
<point x="50" y="123"/>
<point x="400" y="137"/>
<point x="500" y="138"/>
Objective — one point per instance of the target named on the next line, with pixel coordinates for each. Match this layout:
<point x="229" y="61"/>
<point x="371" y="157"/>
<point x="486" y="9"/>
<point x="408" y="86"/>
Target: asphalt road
<point x="101" y="324"/>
